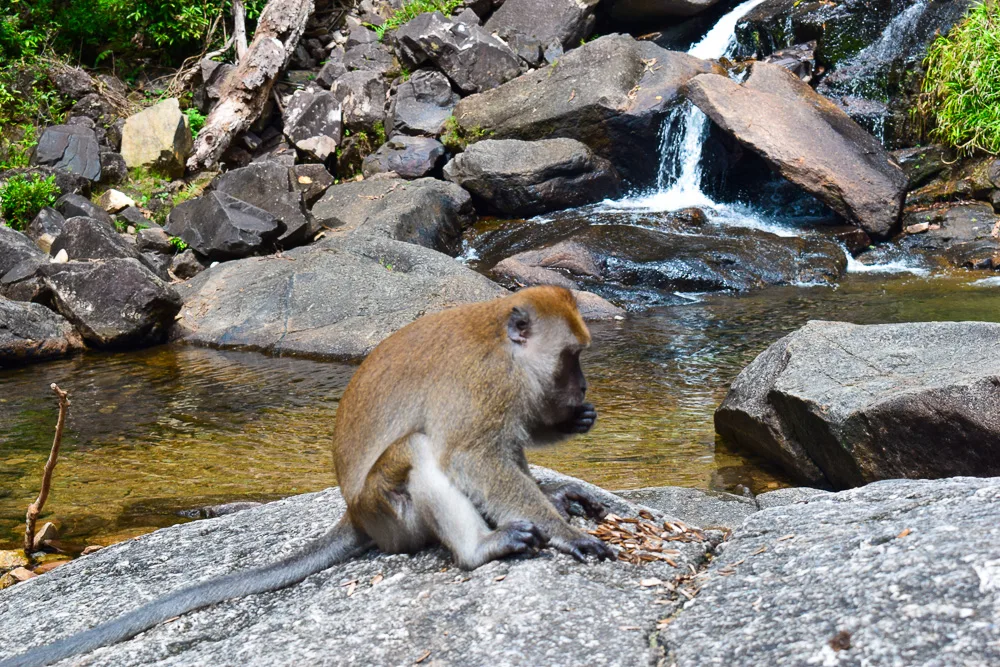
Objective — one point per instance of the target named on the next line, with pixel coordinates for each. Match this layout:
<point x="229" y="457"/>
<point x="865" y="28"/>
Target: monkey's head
<point x="546" y="334"/>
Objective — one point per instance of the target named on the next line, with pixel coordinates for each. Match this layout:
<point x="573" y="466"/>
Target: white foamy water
<point x="896" y="266"/>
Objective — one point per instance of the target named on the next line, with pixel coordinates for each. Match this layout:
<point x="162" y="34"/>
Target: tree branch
<point x="35" y="508"/>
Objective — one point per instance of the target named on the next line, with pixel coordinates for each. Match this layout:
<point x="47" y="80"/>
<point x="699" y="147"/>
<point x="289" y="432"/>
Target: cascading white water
<point x="679" y="181"/>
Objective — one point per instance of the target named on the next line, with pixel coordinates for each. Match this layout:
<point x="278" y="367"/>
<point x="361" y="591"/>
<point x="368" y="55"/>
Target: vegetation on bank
<point x="960" y="97"/>
<point x="23" y="196"/>
<point x="413" y="9"/>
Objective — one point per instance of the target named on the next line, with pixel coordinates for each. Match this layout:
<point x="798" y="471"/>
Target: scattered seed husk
<point x="643" y="541"/>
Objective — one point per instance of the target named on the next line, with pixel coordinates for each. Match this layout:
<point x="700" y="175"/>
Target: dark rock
<point x="847" y="404"/>
<point x="46" y="228"/>
<point x="956" y="235"/>
<point x="15" y="248"/>
<point x="524" y="178"/>
<point x="221" y="227"/>
<point x="212" y="511"/>
<point x="359" y="35"/>
<point x="266" y="185"/>
<point x="72" y="82"/>
<point x="113" y="168"/>
<point x="312" y="180"/>
<point x="422" y="104"/>
<point x="426" y="212"/>
<point x="333" y="69"/>
<point x="95" y="107"/>
<point x="566" y="21"/>
<point x="375" y="57"/>
<point x="72" y="206"/>
<point x="114" y="134"/>
<point x="313" y="122"/>
<point x="86" y="238"/>
<point x="409" y="157"/>
<point x="154" y="239"/>
<point x="361" y="96"/>
<point x="81" y="120"/>
<point x="158" y="263"/>
<point x="115" y="303"/>
<point x="132" y="215"/>
<point x="528" y="49"/>
<point x="800" y="60"/>
<point x="472" y="58"/>
<point x="553" y="52"/>
<point x="186" y="265"/>
<point x="302" y="59"/>
<point x="887" y="550"/>
<point x="968" y="179"/>
<point x="71" y="148"/>
<point x="213" y="76"/>
<point x="809" y="141"/>
<point x="923" y="163"/>
<point x="489" y="622"/>
<point x="602" y="94"/>
<point x="514" y="273"/>
<point x="31" y="332"/>
<point x="336" y="300"/>
<point x="642" y="11"/>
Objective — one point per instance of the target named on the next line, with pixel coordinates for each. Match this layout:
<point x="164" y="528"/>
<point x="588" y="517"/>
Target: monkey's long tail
<point x="341" y="543"/>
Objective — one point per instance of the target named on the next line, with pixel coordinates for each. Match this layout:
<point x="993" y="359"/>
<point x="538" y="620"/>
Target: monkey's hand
<point x="581" y="421"/>
<point x="571" y="498"/>
<point x="582" y="545"/>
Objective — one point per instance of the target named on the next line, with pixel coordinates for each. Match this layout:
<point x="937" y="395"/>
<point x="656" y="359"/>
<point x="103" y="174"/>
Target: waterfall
<point x="684" y="131"/>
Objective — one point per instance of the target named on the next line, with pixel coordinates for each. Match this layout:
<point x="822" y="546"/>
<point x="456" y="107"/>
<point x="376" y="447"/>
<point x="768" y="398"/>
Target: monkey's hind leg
<point x="448" y="514"/>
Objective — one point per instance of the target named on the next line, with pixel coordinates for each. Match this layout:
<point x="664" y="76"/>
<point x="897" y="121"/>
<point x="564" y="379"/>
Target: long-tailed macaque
<point x="429" y="449"/>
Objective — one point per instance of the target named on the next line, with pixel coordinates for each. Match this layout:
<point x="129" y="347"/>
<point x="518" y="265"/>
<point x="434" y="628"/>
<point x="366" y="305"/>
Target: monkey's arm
<point x="339" y="544"/>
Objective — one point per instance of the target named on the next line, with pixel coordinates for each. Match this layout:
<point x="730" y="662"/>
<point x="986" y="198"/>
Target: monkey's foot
<point x="516" y="537"/>
<point x="582" y="546"/>
<point x="573" y="498"/>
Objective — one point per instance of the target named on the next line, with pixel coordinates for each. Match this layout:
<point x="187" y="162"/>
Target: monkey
<point x="429" y="449"/>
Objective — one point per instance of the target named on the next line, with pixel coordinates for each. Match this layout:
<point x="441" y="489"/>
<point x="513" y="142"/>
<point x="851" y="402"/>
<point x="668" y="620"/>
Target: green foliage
<point x="413" y="9"/>
<point x="17" y="152"/>
<point x="22" y="197"/>
<point x="456" y="137"/>
<point x="196" y="120"/>
<point x="178" y="243"/>
<point x="961" y="89"/>
<point x="379" y="130"/>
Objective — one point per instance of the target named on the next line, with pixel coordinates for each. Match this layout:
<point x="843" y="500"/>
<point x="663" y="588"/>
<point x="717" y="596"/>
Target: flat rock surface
<point x="902" y="572"/>
<point x="374" y="610"/>
<point x="335" y="299"/>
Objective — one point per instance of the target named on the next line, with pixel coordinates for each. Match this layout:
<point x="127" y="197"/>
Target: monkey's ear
<point x="518" y="326"/>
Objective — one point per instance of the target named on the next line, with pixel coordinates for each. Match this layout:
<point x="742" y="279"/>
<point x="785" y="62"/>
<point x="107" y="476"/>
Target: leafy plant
<point x="412" y="10"/>
<point x="379" y="130"/>
<point x="456" y="137"/>
<point x="960" y="97"/>
<point x="178" y="243"/>
<point x="22" y="197"/>
<point x="18" y="152"/>
<point x="196" y="120"/>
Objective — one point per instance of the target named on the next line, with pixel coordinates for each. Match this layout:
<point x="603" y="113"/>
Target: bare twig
<point x="36" y="507"/>
<point x="240" y="28"/>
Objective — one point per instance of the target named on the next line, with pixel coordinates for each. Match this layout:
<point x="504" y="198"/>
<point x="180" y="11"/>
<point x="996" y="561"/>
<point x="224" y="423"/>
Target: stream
<point x="173" y="428"/>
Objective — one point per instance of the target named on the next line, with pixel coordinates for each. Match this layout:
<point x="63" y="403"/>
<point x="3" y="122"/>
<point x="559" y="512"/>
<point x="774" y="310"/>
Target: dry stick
<point x="36" y="507"/>
<point x="240" y="29"/>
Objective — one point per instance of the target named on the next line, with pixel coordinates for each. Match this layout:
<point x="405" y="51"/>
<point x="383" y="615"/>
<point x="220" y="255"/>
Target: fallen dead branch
<point x="35" y="508"/>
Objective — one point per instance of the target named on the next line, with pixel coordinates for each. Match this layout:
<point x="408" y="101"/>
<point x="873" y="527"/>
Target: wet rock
<point x="426" y="211"/>
<point x="15" y="248"/>
<point x="514" y="273"/>
<point x="602" y="94"/>
<point x="862" y="403"/>
<point x="800" y="60"/>
<point x="968" y="179"/>
<point x="337" y="300"/>
<point x="46" y="533"/>
<point x="473" y="59"/>
<point x="814" y="573"/>
<point x="312" y="180"/>
<point x="31" y="332"/>
<point x="422" y="104"/>
<point x="154" y="240"/>
<point x="568" y="256"/>
<point x="72" y="206"/>
<point x="640" y="11"/>
<point x="186" y="265"/>
<point x="313" y="123"/>
<point x="596" y="308"/>
<point x="86" y="238"/>
<point x="565" y="21"/>
<point x="923" y="163"/>
<point x="158" y="138"/>
<point x="71" y="82"/>
<point x="524" y="178"/>
<point x="220" y="227"/>
<point x="212" y="511"/>
<point x="113" y="168"/>
<point x="809" y="141"/>
<point x="115" y="303"/>
<point x="958" y="235"/>
<point x="114" y="201"/>
<point x="408" y="157"/>
<point x="361" y="96"/>
<point x="46" y="228"/>
<point x="71" y="148"/>
<point x="266" y="185"/>
<point x="490" y="620"/>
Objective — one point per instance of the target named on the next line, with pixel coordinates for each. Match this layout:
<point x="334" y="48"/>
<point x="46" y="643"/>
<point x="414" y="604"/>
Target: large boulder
<point x="158" y="138"/>
<point x="641" y="11"/>
<point x="612" y="94"/>
<point x="426" y="211"/>
<point x="71" y="148"/>
<point x="267" y="186"/>
<point x="809" y="141"/>
<point x="842" y="404"/>
<point x="423" y="104"/>
<point x="45" y="228"/>
<point x="899" y="572"/>
<point x="86" y="238"/>
<point x="409" y="157"/>
<point x="524" y="178"/>
<point x="15" y="248"/>
<point x="31" y="332"/>
<point x="72" y="206"/>
<point x="314" y="123"/>
<point x="361" y="96"/>
<point x="220" y="227"/>
<point x="563" y="21"/>
<point x="115" y="303"/>
<point x="335" y="299"/>
<point x="472" y="58"/>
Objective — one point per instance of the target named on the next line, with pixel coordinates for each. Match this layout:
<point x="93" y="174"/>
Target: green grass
<point x="22" y="197"/>
<point x="960" y="101"/>
<point x="412" y="10"/>
<point x="196" y="120"/>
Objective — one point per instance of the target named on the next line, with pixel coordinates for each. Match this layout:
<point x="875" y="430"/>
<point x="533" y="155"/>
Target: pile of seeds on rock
<point x="642" y="541"/>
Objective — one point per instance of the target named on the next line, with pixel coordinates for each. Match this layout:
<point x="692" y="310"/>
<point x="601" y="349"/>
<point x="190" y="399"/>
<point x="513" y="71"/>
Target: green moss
<point x="456" y="138"/>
